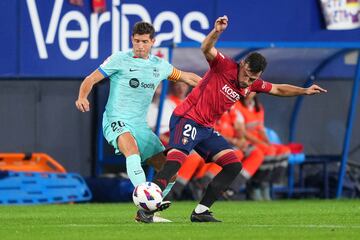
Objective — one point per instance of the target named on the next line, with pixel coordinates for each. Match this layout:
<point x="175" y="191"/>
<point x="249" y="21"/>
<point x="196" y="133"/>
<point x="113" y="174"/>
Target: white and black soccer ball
<point x="147" y="196"/>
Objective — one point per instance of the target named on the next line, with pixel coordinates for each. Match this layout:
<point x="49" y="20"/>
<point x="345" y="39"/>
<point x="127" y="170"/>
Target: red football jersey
<point x="217" y="92"/>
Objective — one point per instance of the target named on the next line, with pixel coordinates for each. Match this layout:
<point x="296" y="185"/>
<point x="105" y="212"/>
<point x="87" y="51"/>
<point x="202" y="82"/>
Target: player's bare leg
<point x="128" y="146"/>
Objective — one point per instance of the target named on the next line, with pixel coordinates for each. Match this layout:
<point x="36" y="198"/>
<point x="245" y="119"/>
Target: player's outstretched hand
<point x="221" y="23"/>
<point x="82" y="104"/>
<point x="315" y="89"/>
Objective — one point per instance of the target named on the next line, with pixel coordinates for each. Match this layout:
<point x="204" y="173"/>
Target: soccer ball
<point x="147" y="196"/>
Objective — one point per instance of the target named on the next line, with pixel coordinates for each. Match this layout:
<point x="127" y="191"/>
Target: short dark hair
<point x="142" y="28"/>
<point x="256" y="61"/>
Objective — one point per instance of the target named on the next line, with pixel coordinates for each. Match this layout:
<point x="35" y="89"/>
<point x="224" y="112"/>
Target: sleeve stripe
<point x="103" y="72"/>
<point x="175" y="75"/>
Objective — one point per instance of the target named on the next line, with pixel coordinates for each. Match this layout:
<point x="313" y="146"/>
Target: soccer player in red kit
<point x="191" y="124"/>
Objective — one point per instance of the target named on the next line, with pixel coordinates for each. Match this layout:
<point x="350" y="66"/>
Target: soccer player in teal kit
<point x="134" y="75"/>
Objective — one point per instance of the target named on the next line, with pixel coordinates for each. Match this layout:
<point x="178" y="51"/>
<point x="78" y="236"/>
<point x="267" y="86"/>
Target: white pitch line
<point x="242" y="225"/>
<point x="102" y="225"/>
<point x="300" y="226"/>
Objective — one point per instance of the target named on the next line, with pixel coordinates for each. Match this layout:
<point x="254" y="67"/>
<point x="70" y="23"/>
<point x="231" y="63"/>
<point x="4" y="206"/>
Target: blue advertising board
<point x="8" y="38"/>
<point x="41" y="38"/>
<point x="59" y="39"/>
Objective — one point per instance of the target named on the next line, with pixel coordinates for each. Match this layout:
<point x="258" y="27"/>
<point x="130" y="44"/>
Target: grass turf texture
<point x="310" y="219"/>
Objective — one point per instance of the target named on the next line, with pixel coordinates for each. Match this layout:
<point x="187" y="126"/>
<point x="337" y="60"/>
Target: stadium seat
<point x="296" y="157"/>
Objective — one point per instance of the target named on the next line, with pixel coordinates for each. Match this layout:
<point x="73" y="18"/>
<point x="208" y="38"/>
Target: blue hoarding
<point x="41" y="38"/>
<point x="8" y="38"/>
<point x="59" y="39"/>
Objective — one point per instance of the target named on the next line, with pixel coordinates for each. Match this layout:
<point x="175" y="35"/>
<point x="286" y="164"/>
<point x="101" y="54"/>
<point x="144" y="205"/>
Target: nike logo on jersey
<point x="133" y="70"/>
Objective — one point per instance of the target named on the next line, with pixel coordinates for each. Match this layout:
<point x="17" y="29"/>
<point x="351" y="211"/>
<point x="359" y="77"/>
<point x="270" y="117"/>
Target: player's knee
<point x="127" y="144"/>
<point x="176" y="156"/>
<point x="228" y="158"/>
<point x="239" y="154"/>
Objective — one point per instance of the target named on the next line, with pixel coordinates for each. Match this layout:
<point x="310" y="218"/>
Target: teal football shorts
<point x="148" y="143"/>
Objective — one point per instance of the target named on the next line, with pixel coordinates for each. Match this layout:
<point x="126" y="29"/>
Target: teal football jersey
<point x="132" y="84"/>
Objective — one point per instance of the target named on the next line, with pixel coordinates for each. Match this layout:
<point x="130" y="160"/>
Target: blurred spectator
<point x="249" y="119"/>
<point x="252" y="157"/>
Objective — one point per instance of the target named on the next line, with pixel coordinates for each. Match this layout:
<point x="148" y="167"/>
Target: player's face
<point x="246" y="77"/>
<point x="142" y="45"/>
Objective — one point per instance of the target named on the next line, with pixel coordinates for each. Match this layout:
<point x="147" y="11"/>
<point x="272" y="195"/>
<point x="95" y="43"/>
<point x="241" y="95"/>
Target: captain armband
<point x="175" y="75"/>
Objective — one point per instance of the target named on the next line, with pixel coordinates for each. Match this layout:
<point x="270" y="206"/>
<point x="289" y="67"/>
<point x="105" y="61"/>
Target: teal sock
<point x="134" y="169"/>
<point x="167" y="189"/>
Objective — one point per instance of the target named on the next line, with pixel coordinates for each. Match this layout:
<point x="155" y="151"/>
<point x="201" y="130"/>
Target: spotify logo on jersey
<point x="134" y="83"/>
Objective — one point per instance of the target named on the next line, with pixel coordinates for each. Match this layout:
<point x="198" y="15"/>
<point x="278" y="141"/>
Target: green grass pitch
<point x="302" y="219"/>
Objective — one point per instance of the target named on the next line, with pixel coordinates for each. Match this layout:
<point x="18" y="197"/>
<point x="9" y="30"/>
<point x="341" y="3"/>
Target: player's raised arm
<point x="287" y="90"/>
<point x="82" y="102"/>
<point x="207" y="46"/>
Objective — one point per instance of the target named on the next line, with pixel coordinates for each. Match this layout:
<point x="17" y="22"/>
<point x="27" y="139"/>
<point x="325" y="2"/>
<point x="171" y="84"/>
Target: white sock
<point x="201" y="208"/>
